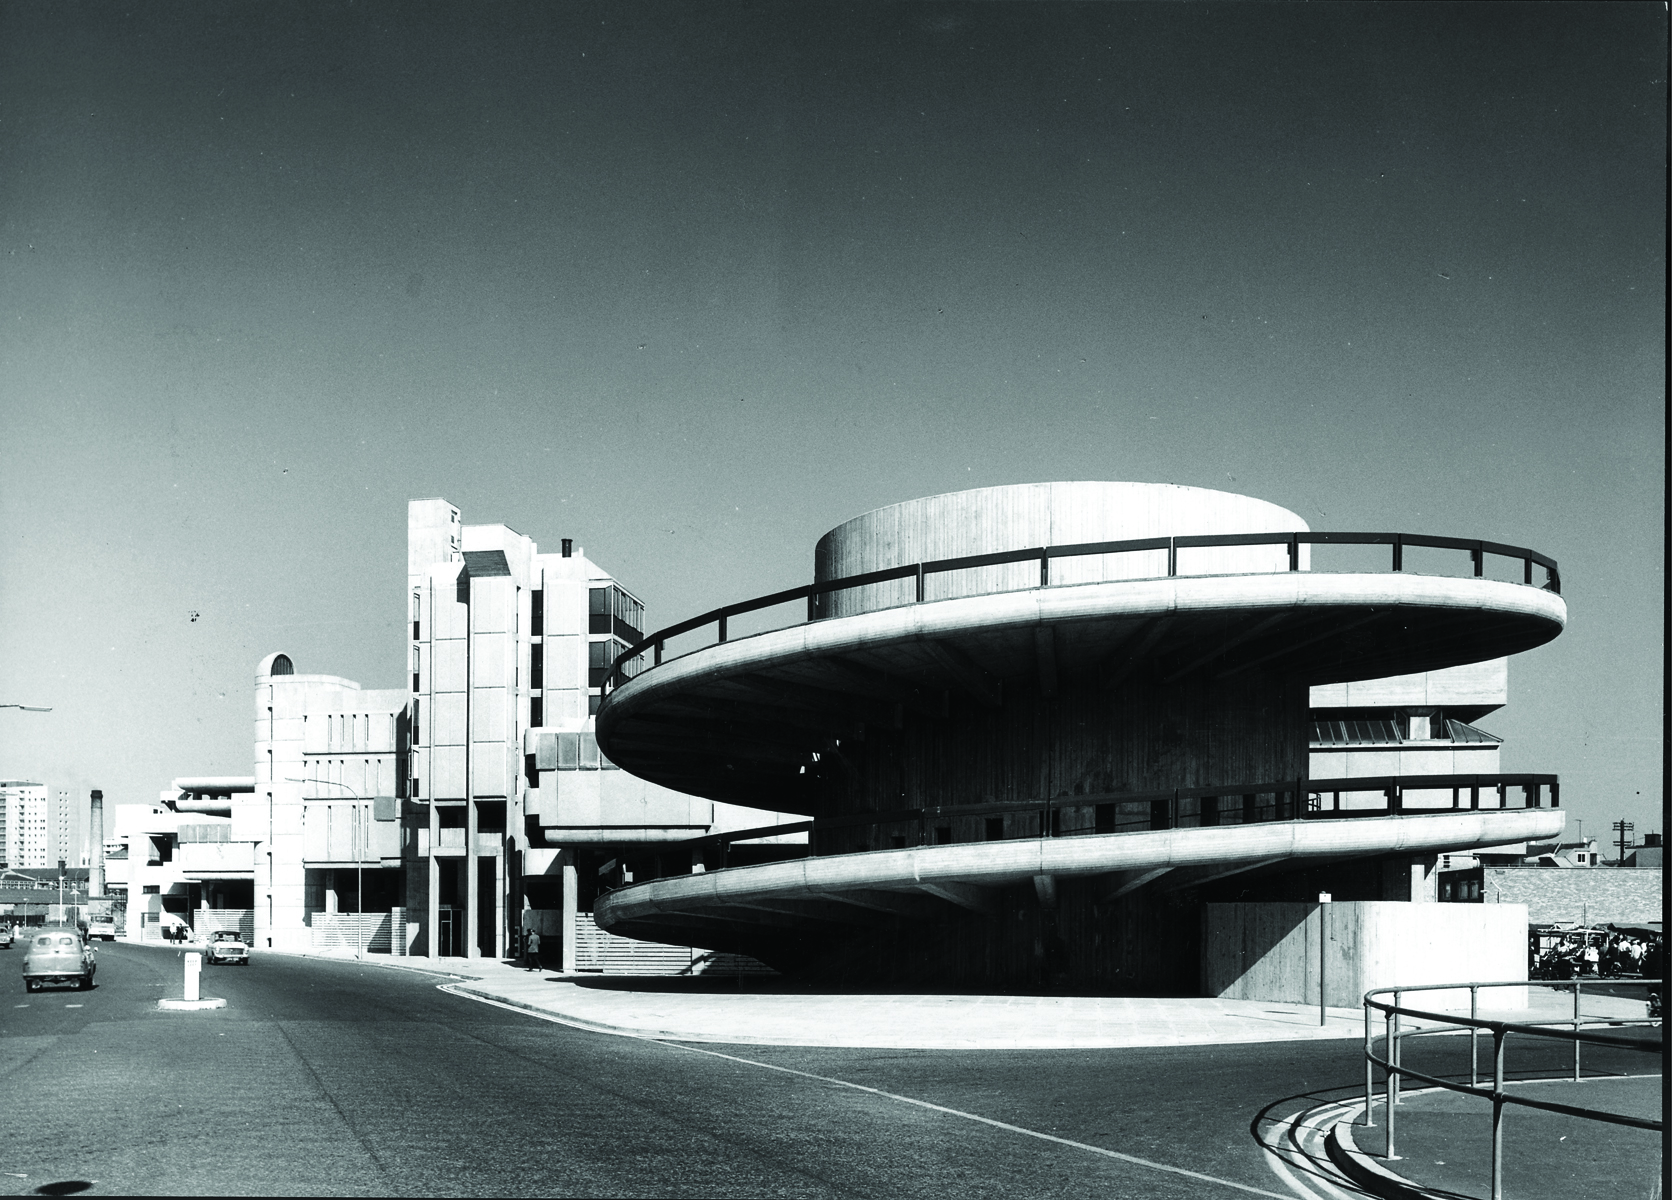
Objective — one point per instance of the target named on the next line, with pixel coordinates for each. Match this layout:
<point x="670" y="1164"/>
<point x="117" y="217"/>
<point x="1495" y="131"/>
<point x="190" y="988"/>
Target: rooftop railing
<point x="1577" y="1029"/>
<point x="629" y="662"/>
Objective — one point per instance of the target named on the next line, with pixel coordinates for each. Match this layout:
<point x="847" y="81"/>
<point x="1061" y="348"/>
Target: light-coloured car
<point x="58" y="954"/>
<point x="226" y="946"/>
<point x="5" y="937"/>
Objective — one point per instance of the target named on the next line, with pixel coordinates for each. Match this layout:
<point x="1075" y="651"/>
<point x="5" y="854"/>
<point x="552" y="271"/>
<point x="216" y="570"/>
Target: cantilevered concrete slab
<point x="960" y="875"/>
<point x="737" y="720"/>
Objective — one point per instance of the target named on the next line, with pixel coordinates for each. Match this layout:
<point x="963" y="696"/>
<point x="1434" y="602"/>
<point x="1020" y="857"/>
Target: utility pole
<point x="1623" y="828"/>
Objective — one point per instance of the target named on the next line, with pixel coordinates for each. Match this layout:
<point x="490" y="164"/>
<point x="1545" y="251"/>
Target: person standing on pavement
<point x="531" y="950"/>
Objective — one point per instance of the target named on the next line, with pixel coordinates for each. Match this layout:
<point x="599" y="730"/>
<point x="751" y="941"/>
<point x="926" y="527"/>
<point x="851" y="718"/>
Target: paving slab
<point x="1444" y="1141"/>
<point x="767" y="1010"/>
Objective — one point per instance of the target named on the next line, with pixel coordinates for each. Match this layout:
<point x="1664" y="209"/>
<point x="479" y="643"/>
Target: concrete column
<point x="472" y="879"/>
<point x="432" y="913"/>
<point x="571" y="905"/>
<point x="1425" y="881"/>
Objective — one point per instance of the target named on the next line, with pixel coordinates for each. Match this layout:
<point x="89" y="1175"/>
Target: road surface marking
<point x="72" y="1006"/>
<point x="859" y="1087"/>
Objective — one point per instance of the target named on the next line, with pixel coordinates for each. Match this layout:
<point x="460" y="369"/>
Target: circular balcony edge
<point x="999" y="864"/>
<point x="1109" y="601"/>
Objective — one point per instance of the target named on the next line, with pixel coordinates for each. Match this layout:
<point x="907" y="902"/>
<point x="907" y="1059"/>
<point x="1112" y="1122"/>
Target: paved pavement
<point x="766" y="1011"/>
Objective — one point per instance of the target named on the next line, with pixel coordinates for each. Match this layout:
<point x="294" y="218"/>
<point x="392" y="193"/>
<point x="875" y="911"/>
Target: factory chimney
<point x="95" y="825"/>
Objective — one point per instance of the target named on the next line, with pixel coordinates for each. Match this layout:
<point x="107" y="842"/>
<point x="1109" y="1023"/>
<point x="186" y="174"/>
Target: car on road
<point x="58" y="954"/>
<point x="226" y="946"/>
<point x="5" y="937"/>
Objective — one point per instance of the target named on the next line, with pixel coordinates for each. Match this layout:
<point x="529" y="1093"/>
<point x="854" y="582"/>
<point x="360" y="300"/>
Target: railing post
<point x="1172" y="558"/>
<point x="1398" y="553"/>
<point x="1369" y="1068"/>
<point x="1498" y="1113"/>
<point x="1294" y="556"/>
<point x="1398" y="1054"/>
<point x="1478" y="554"/>
<point x="1045" y="567"/>
<point x="722" y="628"/>
<point x="1389" y="1043"/>
<point x="1474" y="1035"/>
<point x="1527" y="571"/>
<point x="920" y="583"/>
<point x="658" y="653"/>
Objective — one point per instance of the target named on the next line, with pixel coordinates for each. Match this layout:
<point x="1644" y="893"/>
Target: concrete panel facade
<point x="1271" y="951"/>
<point x="1082" y="739"/>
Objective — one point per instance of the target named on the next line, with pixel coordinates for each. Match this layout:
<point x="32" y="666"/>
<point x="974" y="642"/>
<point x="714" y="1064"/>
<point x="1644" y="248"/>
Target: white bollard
<point x="194" y="970"/>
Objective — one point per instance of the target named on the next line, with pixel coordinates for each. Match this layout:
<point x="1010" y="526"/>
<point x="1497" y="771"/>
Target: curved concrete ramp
<point x="856" y="888"/>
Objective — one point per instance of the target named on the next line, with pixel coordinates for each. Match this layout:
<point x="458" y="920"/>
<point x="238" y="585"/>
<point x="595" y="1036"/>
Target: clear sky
<point x="693" y="283"/>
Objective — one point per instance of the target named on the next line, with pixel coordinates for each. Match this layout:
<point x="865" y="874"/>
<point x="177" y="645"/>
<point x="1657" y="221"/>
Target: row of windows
<point x="611" y="610"/>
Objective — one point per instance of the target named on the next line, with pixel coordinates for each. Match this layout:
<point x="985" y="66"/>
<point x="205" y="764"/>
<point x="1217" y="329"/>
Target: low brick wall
<point x="1594" y="894"/>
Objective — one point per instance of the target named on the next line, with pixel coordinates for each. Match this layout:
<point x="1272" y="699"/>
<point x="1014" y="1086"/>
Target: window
<point x="537" y="665"/>
<point x="995" y="829"/>
<point x="416" y="726"/>
<point x="598" y="658"/>
<point x="415" y="668"/>
<point x="611" y="610"/>
<point x="536" y="614"/>
<point x="536" y="713"/>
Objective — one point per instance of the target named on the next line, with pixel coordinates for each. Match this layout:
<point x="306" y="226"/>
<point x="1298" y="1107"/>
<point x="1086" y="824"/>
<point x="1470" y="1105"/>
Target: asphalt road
<point x="326" y="1077"/>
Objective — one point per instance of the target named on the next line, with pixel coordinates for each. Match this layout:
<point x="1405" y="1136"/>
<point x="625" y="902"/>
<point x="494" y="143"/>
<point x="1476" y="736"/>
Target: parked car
<point x="226" y="946"/>
<point x="5" y="937"/>
<point x="58" y="954"/>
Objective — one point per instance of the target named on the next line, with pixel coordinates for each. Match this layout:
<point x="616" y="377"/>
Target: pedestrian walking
<point x="531" y="950"/>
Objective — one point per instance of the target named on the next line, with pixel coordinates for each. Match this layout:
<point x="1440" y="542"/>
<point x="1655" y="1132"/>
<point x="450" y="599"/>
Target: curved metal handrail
<point x="920" y="571"/>
<point x="1569" y="1029"/>
<point x="1160" y="810"/>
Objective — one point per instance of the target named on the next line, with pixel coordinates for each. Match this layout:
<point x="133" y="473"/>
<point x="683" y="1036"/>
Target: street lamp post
<point x="1324" y="899"/>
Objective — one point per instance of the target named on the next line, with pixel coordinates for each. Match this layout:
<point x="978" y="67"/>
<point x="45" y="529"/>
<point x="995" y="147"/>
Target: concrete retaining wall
<point x="1270" y="951"/>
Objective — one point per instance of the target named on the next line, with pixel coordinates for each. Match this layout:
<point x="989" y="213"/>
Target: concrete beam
<point x="965" y="895"/>
<point x="1128" y="661"/>
<point x="1127" y="882"/>
<point x="965" y="672"/>
<point x="1224" y="647"/>
<point x="1045" y="658"/>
